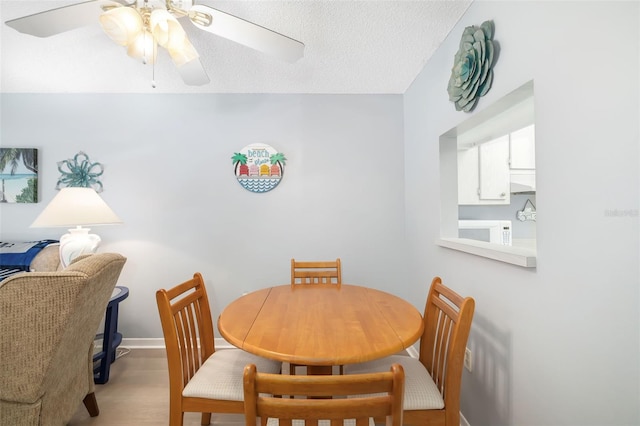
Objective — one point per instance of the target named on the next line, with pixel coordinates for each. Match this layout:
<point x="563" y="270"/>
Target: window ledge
<point x="521" y="256"/>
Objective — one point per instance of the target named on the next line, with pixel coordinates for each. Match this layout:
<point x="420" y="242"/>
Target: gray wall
<point x="559" y="344"/>
<point x="169" y="176"/>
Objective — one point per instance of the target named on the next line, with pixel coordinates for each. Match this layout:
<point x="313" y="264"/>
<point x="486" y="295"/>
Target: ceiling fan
<point x="141" y="25"/>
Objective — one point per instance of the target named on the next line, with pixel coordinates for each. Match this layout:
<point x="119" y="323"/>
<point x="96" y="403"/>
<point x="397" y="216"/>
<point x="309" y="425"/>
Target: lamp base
<point x="77" y="242"/>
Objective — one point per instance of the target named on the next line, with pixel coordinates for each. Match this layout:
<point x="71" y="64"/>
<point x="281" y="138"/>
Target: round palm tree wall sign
<point x="258" y="167"/>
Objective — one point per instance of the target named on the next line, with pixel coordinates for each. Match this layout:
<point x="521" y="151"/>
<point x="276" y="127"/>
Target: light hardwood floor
<point x="137" y="394"/>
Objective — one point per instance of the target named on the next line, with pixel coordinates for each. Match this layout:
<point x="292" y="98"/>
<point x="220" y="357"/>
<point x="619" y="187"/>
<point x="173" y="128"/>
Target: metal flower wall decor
<point x="472" y="73"/>
<point x="79" y="171"/>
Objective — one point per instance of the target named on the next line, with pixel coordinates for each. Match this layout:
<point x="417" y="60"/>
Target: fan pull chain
<point x="153" y="75"/>
<point x="145" y="12"/>
<point x="153" y="64"/>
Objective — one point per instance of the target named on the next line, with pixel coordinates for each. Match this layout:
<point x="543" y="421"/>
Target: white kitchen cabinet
<point x="483" y="173"/>
<point x="522" y="159"/>
<point x="494" y="170"/>
<point x="468" y="166"/>
<point x="522" y="146"/>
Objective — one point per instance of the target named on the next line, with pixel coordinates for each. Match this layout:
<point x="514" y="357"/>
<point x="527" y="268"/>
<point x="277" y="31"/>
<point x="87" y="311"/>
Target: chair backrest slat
<point x="334" y="398"/>
<point x="317" y="272"/>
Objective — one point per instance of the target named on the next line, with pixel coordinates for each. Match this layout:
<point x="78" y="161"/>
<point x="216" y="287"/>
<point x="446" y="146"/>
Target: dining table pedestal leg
<point x="317" y="370"/>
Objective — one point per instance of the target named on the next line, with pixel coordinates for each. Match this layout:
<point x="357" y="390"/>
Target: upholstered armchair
<point x="48" y="321"/>
<point x="48" y="260"/>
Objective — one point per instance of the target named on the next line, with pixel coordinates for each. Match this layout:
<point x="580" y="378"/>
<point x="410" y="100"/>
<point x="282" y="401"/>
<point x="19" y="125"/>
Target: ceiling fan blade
<point x="193" y="73"/>
<point x="246" y="33"/>
<point x="55" y="21"/>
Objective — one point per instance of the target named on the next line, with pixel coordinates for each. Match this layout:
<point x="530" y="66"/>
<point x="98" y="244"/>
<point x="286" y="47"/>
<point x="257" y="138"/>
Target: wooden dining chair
<point x="317" y="272"/>
<point x="432" y="389"/>
<point x="329" y="400"/>
<point x="201" y="379"/>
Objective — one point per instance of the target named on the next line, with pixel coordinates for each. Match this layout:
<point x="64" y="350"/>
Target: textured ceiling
<point x="354" y="47"/>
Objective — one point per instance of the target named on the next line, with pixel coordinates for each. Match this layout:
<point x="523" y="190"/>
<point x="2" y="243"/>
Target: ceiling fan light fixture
<point x="174" y="37"/>
<point x="144" y="47"/>
<point x="184" y="53"/>
<point x="159" y="22"/>
<point x="129" y="23"/>
<point x="169" y="34"/>
<point x="121" y="24"/>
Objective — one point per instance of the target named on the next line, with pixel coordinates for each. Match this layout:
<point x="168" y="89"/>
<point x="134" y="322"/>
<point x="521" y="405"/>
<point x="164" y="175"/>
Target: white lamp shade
<point x="76" y="206"/>
<point x="121" y="24"/>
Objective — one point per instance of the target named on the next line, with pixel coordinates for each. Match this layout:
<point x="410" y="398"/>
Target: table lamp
<point x="74" y="206"/>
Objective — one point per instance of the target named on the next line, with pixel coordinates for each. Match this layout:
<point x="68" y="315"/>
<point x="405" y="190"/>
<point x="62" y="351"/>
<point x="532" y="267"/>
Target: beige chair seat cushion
<point x="420" y="392"/>
<point x="275" y="422"/>
<point x="220" y="377"/>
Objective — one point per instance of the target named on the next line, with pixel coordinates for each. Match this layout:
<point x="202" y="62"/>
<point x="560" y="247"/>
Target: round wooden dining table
<point x="321" y="325"/>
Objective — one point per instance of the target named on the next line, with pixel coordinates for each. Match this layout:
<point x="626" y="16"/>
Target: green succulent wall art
<point x="472" y="73"/>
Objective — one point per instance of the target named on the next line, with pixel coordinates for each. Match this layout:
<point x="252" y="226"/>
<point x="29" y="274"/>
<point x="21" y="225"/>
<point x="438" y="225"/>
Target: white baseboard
<point x="158" y="343"/>
<point x="413" y="353"/>
<point x="463" y="421"/>
<point x="220" y="343"/>
<point x="143" y="343"/>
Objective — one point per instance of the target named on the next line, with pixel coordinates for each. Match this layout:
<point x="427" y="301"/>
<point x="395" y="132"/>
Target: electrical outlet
<point x="468" y="361"/>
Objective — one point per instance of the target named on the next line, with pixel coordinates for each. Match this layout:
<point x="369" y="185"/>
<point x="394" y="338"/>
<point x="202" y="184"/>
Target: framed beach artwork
<point x="258" y="167"/>
<point x="18" y="175"/>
